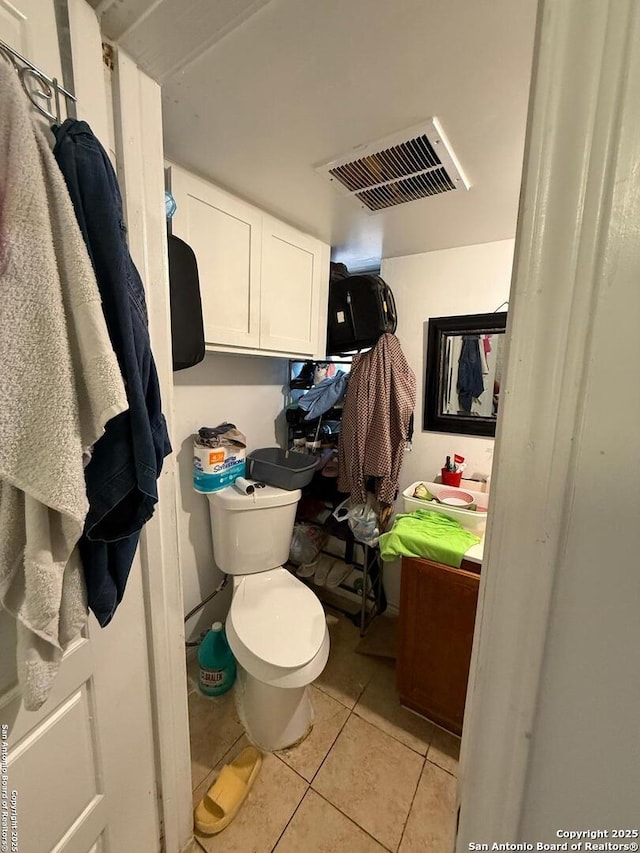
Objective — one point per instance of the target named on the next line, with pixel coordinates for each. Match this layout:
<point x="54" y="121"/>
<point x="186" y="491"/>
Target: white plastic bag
<point x="306" y="543"/>
<point x="362" y="519"/>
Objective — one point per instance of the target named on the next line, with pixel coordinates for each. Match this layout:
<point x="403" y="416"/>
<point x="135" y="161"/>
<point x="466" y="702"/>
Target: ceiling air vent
<point x="406" y="166"/>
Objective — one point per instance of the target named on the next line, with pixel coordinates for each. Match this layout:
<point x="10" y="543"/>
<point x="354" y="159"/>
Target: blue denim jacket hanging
<point x="470" y="382"/>
<point x="122" y="475"/>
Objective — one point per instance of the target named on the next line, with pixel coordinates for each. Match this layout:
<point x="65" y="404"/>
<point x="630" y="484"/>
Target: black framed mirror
<point x="464" y="364"/>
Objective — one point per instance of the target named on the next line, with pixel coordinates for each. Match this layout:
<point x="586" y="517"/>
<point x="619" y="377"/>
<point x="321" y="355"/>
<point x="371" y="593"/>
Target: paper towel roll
<point x="244" y="486"/>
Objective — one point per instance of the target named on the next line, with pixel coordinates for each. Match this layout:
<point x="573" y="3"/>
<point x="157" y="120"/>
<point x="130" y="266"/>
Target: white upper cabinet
<point x="225" y="234"/>
<point x="293" y="269"/>
<point x="264" y="285"/>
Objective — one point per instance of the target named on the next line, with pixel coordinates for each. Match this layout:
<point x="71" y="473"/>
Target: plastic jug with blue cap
<point x="217" y="663"/>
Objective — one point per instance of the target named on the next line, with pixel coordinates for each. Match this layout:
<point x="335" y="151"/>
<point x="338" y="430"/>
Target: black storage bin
<point x="281" y="468"/>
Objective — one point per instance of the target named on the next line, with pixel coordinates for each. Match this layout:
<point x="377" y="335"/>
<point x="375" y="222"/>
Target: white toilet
<point x="276" y="626"/>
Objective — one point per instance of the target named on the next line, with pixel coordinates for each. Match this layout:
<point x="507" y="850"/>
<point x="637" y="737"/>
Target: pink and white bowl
<point x="455" y="498"/>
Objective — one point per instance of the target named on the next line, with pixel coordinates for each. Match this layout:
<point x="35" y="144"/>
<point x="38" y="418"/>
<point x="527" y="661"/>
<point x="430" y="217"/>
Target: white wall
<point x="466" y="280"/>
<point x="247" y="391"/>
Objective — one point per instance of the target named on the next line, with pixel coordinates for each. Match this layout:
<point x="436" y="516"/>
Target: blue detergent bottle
<point x="217" y="663"/>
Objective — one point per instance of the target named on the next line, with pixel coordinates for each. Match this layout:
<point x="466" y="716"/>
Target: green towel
<point x="427" y="534"/>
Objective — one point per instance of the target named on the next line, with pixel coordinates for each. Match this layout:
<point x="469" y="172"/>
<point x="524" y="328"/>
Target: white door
<point x="224" y="233"/>
<point x="82" y="767"/>
<point x="291" y="284"/>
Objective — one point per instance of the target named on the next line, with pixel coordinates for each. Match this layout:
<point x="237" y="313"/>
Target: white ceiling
<point x="259" y="92"/>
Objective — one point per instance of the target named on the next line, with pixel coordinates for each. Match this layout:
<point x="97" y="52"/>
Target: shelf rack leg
<point x="365" y="578"/>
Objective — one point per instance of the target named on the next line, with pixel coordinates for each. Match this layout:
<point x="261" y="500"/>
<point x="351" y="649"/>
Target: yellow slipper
<point x="222" y="801"/>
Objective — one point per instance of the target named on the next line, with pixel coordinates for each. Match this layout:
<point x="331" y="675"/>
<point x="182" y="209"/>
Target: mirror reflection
<point x="472" y="372"/>
<point x="464" y="364"/>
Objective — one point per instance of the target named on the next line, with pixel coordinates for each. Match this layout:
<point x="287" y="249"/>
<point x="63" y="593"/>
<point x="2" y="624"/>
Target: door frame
<point x="137" y="110"/>
<point x="578" y="150"/>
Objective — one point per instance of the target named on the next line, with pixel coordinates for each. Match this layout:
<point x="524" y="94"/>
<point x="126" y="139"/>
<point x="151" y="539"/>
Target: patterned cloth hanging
<point x="376" y="422"/>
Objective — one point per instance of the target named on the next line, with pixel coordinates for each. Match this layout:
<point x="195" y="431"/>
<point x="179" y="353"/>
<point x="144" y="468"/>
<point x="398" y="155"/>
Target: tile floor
<point x="370" y="777"/>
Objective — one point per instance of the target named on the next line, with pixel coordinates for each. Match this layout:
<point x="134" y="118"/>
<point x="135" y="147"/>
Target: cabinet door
<point x="437" y="616"/>
<point x="295" y="274"/>
<point x="225" y="235"/>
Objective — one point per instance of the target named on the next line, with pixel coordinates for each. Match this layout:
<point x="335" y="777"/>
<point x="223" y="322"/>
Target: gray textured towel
<point x="60" y="385"/>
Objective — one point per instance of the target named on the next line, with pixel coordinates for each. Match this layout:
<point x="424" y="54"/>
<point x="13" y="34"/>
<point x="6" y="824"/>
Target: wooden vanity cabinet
<point x="437" y="616"/>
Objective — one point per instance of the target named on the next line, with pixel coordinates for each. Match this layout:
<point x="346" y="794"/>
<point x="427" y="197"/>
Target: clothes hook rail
<point x="31" y="77"/>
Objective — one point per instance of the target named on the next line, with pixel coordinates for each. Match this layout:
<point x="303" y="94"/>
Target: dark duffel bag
<point x="361" y="309"/>
<point x="187" y="330"/>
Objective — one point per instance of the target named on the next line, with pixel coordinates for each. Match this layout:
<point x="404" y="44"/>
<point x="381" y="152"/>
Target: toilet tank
<point x="252" y="533"/>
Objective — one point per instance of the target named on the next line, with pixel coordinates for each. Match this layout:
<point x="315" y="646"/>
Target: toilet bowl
<point x="276" y="626"/>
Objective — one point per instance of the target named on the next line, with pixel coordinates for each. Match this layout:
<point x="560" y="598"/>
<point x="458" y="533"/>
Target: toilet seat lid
<point x="278" y="618"/>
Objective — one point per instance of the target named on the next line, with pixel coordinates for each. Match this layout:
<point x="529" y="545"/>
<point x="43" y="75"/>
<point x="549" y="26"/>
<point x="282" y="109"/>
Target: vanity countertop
<point x="474" y="554"/>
